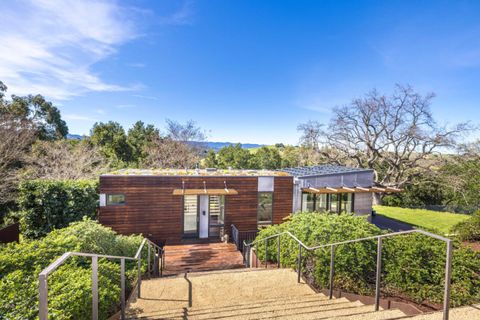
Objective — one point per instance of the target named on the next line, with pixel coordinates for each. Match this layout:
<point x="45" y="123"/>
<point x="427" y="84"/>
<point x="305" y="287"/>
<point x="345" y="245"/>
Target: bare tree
<point x="65" y="160"/>
<point x="168" y="153"/>
<point x="394" y="136"/>
<point x="188" y="132"/>
<point x="16" y="137"/>
<point x="311" y="134"/>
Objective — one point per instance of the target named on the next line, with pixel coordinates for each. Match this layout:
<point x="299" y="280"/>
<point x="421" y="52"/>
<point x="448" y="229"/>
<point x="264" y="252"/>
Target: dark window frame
<point x="109" y="203"/>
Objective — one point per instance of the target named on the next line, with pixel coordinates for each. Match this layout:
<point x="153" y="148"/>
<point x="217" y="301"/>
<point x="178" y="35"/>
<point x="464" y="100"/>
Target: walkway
<point x="389" y="224"/>
<point x="201" y="257"/>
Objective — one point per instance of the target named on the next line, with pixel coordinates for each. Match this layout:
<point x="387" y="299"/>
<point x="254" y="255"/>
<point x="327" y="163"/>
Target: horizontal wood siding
<point x="282" y="198"/>
<point x="152" y="209"/>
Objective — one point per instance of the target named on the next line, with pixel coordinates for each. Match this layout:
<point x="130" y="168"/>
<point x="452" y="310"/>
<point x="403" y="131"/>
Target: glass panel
<point x="347" y="202"/>
<point x="190" y="210"/>
<point x="321" y="203"/>
<point x="265" y="207"/>
<point x="334" y="199"/>
<point x="308" y="202"/>
<point x="216" y="205"/>
<point x="115" y="199"/>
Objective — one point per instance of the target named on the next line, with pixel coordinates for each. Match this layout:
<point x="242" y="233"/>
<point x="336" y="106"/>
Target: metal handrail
<point x="43" y="276"/>
<point x="448" y="262"/>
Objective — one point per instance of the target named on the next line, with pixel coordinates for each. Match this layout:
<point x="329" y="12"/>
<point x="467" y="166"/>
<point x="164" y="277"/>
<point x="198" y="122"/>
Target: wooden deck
<point x="201" y="257"/>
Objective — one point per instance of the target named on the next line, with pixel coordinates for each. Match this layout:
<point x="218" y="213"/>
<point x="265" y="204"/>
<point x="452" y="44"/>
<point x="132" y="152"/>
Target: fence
<point x="240" y="237"/>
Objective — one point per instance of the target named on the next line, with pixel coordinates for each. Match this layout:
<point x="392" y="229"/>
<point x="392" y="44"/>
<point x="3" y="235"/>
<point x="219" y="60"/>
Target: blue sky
<point x="246" y="71"/>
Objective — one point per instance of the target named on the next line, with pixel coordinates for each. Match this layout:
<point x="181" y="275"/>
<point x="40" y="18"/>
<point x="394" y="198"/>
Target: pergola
<point x="329" y="190"/>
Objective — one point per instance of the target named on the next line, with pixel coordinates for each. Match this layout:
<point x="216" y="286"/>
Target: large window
<point x="115" y="199"/>
<point x="216" y="208"/>
<point x="190" y="212"/>
<point x="334" y="202"/>
<point x="265" y="208"/>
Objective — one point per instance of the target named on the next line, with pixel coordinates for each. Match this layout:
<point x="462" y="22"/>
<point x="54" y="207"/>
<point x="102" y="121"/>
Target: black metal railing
<point x="240" y="237"/>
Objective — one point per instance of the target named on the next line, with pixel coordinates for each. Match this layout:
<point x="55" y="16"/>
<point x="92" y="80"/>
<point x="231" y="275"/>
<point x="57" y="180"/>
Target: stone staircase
<point x="244" y="294"/>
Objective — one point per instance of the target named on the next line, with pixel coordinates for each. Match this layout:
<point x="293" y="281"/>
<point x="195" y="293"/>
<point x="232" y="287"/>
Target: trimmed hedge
<point x="70" y="285"/>
<point x="413" y="265"/>
<point x="468" y="230"/>
<point x="46" y="205"/>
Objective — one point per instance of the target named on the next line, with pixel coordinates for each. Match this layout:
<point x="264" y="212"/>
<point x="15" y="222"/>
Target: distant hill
<point x="75" y="137"/>
<point x="209" y="145"/>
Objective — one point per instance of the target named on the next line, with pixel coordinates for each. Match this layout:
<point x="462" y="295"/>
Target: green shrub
<point x="46" y="205"/>
<point x="69" y="285"/>
<point x="413" y="265"/>
<point x="468" y="230"/>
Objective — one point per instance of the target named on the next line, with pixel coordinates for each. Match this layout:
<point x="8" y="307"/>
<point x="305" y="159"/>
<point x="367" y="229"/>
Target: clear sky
<point x="246" y="71"/>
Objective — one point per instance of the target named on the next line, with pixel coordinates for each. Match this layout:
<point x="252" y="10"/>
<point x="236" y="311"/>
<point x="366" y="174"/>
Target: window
<point x="321" y="202"/>
<point x="216" y="208"/>
<point x="347" y="202"/>
<point x="190" y="212"/>
<point x="265" y="208"/>
<point x="334" y="202"/>
<point x="308" y="202"/>
<point x="115" y="199"/>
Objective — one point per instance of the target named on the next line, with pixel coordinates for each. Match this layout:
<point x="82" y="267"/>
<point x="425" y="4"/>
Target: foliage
<point x="168" y="153"/>
<point x="469" y="229"/>
<point x="65" y="159"/>
<point x="413" y="265"/>
<point x="234" y="156"/>
<point x="69" y="285"/>
<point x="442" y="222"/>
<point x="140" y="137"/>
<point x="44" y="116"/>
<point x="110" y="137"/>
<point x="266" y="158"/>
<point x="47" y="204"/>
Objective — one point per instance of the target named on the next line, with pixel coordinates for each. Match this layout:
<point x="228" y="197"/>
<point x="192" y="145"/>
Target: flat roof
<point x="196" y="172"/>
<point x="322" y="170"/>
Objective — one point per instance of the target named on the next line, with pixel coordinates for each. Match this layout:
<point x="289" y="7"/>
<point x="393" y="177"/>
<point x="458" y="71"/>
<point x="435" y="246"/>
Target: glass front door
<point x="190" y="216"/>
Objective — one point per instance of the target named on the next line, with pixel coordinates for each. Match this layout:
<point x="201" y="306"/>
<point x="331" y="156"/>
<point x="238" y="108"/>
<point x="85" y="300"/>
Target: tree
<point x="65" y="160"/>
<point x="40" y="112"/>
<point x="168" y="153"/>
<point x="188" y="132"/>
<point x="234" y="157"/>
<point x="210" y="160"/>
<point x="110" y="137"/>
<point x="266" y="158"/>
<point x="391" y="135"/>
<point x="140" y="136"/>
<point x="311" y="133"/>
<point x="16" y="137"/>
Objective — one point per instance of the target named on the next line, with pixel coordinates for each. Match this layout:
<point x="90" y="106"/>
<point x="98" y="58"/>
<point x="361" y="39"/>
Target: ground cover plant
<point x="443" y="222"/>
<point x="413" y="265"/>
<point x="70" y="285"/>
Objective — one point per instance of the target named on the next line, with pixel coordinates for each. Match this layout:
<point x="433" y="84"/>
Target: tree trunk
<point x="377" y="199"/>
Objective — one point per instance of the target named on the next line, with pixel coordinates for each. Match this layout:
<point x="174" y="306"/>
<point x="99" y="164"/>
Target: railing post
<point x="122" y="287"/>
<point x="139" y="275"/>
<point x="299" y="267"/>
<point x="332" y="270"/>
<point x="43" y="297"/>
<point x="379" y="274"/>
<point x="448" y="276"/>
<point x="95" y="288"/>
<point x="148" y="258"/>
<point x="266" y="252"/>
<point x="256" y="255"/>
<point x="278" y="251"/>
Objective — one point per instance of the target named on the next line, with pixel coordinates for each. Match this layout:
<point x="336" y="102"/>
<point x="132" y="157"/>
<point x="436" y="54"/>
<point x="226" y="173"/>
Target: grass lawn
<point x="441" y="221"/>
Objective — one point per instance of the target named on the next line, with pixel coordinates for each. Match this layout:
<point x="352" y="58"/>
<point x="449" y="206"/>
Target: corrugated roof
<point x="322" y="170"/>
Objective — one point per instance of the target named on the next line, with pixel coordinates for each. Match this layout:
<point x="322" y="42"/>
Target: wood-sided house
<point x="170" y="205"/>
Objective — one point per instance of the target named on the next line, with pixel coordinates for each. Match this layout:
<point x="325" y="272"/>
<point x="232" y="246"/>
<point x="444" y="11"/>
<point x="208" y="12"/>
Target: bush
<point x="413" y="265"/>
<point x="47" y="204"/>
<point x="468" y="230"/>
<point x="69" y="285"/>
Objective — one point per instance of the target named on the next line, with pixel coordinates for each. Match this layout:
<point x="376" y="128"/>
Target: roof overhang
<point x="328" y="190"/>
<point x="210" y="192"/>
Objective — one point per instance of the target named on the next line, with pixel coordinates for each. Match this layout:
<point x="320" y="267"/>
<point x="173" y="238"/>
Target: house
<point x="171" y="205"/>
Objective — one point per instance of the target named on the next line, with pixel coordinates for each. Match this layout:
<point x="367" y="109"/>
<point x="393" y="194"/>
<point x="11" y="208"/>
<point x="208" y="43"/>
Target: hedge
<point x="70" y="285"/>
<point x="413" y="265"/>
<point x="46" y="205"/>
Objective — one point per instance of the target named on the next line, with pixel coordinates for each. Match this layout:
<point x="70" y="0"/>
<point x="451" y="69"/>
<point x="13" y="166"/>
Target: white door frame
<point x="204" y="217"/>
